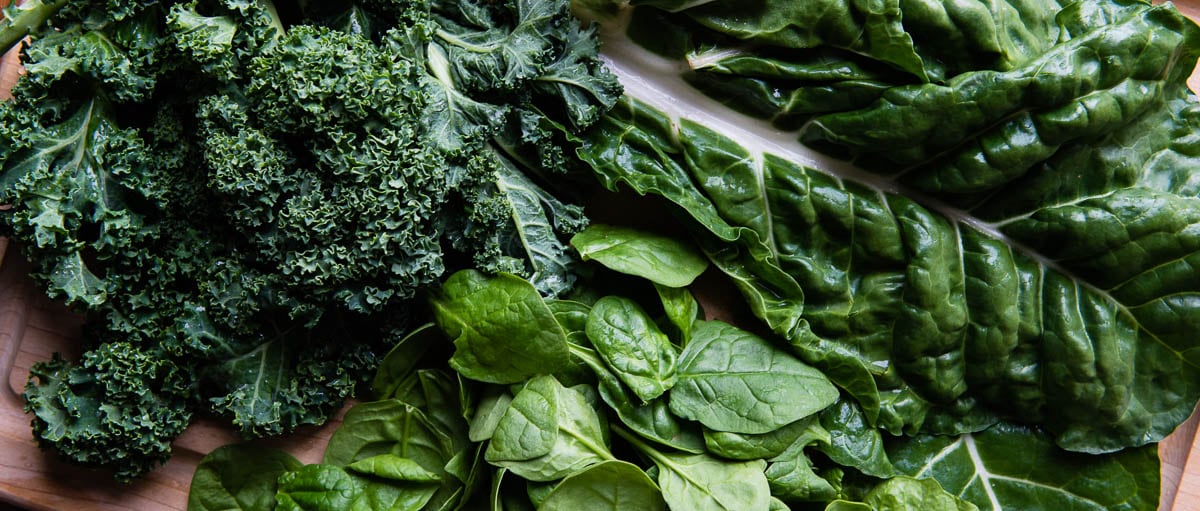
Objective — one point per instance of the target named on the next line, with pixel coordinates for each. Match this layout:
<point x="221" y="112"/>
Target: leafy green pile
<point x="1023" y="246"/>
<point x="634" y="401"/>
<point x="244" y="197"/>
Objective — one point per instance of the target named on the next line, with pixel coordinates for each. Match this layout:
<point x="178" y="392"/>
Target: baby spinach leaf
<point x="608" y="485"/>
<point x="792" y="478"/>
<point x="502" y="329"/>
<point x="529" y="426"/>
<point x="318" y="488"/>
<point x="388" y="427"/>
<point x="740" y="446"/>
<point x="572" y="315"/>
<point x="1010" y="467"/>
<point x="904" y="493"/>
<point x="681" y="309"/>
<point x="402" y="359"/>
<point x="239" y="477"/>
<point x="323" y="487"/>
<point x="491" y="408"/>
<point x="660" y="259"/>
<point x="703" y="483"/>
<point x="652" y="420"/>
<point x="700" y="482"/>
<point x="732" y="380"/>
<point x="548" y="432"/>
<point x="632" y="346"/>
<point x="393" y="467"/>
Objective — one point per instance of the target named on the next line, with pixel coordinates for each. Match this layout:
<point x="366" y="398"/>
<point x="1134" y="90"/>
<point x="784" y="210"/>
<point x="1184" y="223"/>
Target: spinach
<point x="681" y="309"/>
<point x="652" y="420"/>
<point x="702" y="482"/>
<point x="323" y="487"/>
<point x="437" y="440"/>
<point x="663" y="260"/>
<point x="731" y="380"/>
<point x="633" y="346"/>
<point x="792" y="478"/>
<point x="477" y="311"/>
<point x="739" y="446"/>
<point x="548" y="432"/>
<point x="608" y="485"/>
<point x="903" y="493"/>
<point x="238" y="477"/>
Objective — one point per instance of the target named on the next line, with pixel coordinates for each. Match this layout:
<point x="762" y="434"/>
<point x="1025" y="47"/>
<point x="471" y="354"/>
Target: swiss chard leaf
<point x="1013" y="467"/>
<point x="928" y="321"/>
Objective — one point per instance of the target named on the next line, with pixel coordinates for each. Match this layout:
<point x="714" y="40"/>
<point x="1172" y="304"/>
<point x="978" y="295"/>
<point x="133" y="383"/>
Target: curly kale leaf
<point x="323" y="173"/>
<point x="120" y="407"/>
<point x="256" y="195"/>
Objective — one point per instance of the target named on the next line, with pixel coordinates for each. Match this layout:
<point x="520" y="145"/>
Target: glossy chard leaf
<point x="928" y="41"/>
<point x="632" y="346"/>
<point x="732" y="380"/>
<point x="502" y="329"/>
<point x="660" y="259"/>
<point x="1013" y="467"/>
<point x="1067" y="313"/>
<point x="1087" y="86"/>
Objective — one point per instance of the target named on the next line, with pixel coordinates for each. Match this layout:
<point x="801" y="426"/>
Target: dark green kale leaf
<point x="255" y="191"/>
<point x="120" y="407"/>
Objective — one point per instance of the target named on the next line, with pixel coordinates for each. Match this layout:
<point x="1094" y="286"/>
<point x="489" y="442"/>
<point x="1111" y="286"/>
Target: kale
<point x="252" y="193"/>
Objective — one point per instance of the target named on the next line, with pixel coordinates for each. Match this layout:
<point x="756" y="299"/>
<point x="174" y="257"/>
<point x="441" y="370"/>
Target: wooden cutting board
<point x="32" y="328"/>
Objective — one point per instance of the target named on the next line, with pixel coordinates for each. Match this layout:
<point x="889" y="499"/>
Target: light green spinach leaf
<point x="632" y="346"/>
<point x="548" y="432"/>
<point x="241" y="477"/>
<point x="732" y="380"/>
<point x="502" y="329"/>
<point x="661" y="259"/>
<point x="609" y="485"/>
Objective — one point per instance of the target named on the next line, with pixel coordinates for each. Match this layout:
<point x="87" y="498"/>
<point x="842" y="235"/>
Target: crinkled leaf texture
<point x="923" y="318"/>
<point x="1013" y="467"/>
<point x="1063" y="293"/>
